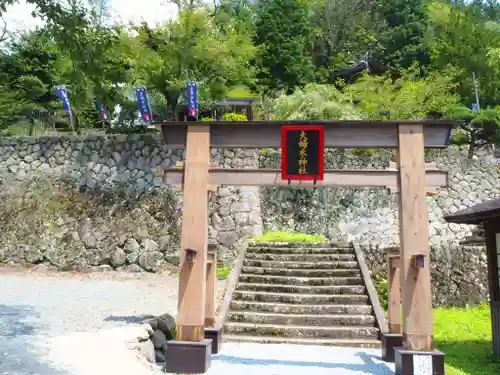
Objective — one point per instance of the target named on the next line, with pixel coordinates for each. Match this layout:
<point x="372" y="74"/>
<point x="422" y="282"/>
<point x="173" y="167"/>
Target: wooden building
<point x="487" y="215"/>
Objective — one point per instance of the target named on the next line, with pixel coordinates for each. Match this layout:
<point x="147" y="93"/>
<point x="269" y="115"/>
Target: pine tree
<point x="404" y="38"/>
<point x="283" y="36"/>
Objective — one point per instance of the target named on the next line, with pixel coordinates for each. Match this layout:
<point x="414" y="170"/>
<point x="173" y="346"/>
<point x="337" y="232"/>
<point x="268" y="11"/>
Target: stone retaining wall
<point x="128" y="166"/>
<point x="133" y="164"/>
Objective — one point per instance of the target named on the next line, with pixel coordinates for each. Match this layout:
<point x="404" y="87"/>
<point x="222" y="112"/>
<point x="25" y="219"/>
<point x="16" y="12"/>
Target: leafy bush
<point x="223" y="272"/>
<point x="234" y="117"/>
<point x="315" y="102"/>
<point x="382" y="287"/>
<point x="290" y="237"/>
<point x="207" y="119"/>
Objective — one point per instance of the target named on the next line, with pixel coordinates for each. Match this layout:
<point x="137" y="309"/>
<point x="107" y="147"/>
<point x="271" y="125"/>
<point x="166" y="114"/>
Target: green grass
<point x="223" y="272"/>
<point x="464" y="335"/>
<point x="290" y="237"/>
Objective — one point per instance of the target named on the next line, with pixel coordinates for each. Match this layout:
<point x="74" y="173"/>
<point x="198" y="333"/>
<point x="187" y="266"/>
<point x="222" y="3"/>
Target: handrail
<point x="230" y="287"/>
<point x="372" y="292"/>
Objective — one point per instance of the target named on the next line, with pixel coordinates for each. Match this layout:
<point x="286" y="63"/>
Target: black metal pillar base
<point x="186" y="357"/>
<point x="404" y="362"/>
<point x="389" y="342"/>
<point x="214" y="334"/>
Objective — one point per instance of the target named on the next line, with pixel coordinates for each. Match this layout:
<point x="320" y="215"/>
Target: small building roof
<point x="236" y="101"/>
<point x="225" y="102"/>
<point x="476" y="214"/>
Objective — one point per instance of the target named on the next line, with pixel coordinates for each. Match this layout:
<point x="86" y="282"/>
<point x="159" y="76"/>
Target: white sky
<point x="19" y="17"/>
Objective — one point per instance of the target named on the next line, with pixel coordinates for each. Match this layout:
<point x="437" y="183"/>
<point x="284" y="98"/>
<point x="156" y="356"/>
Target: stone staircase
<point x="288" y="293"/>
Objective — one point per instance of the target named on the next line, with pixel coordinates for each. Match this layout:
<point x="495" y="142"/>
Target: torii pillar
<point x="417" y="355"/>
<point x="394" y="337"/>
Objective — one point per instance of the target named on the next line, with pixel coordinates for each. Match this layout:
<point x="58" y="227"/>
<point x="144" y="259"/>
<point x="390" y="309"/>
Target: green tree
<point x="9" y="108"/>
<point x="30" y="69"/>
<point x="190" y="48"/>
<point x="344" y="31"/>
<point x="403" y="40"/>
<point x="236" y="13"/>
<point x="461" y="38"/>
<point x="477" y="128"/>
<point x="283" y="38"/>
<point x="408" y="97"/>
<point x="92" y="67"/>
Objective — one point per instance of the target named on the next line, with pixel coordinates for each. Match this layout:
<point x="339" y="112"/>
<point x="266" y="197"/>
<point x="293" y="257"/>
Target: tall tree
<point x="344" y="31"/>
<point x="30" y="69"/>
<point x="283" y="38"/>
<point x="190" y="48"/>
<point x="403" y="40"/>
<point x="93" y="68"/>
<point x="465" y="40"/>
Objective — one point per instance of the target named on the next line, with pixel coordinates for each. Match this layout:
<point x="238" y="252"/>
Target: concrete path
<point x="286" y="359"/>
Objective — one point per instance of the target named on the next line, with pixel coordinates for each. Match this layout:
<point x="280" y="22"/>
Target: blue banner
<point x="144" y="106"/>
<point x="102" y="111"/>
<point x="63" y="94"/>
<point x="192" y="99"/>
<point x="475" y="107"/>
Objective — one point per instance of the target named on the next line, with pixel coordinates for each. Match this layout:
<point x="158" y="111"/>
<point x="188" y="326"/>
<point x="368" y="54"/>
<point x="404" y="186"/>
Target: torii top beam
<point x="338" y="134"/>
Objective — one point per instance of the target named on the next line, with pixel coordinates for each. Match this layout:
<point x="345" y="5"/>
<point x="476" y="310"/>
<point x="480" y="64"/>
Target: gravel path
<point x="35" y="306"/>
<point x="38" y="309"/>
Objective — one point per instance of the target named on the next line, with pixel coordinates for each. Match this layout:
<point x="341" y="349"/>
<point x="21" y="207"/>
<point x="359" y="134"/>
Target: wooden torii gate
<point x="190" y="352"/>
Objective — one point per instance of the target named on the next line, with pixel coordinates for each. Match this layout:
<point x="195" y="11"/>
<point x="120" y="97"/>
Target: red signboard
<point x="302" y="152"/>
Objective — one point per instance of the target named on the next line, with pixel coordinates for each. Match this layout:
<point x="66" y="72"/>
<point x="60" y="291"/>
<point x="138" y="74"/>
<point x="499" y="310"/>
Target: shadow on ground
<point x="18" y="339"/>
<point x="127" y="318"/>
<point x="369" y="366"/>
<point x="471" y="357"/>
<point x="14" y="320"/>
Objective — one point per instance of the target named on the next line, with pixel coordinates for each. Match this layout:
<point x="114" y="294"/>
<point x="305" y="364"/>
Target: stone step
<point x="294" y="280"/>
<point x="321" y="289"/>
<point x="298" y="250"/>
<point x="300" y="319"/>
<point x="300" y="265"/>
<point x="286" y="308"/>
<point x="336" y="332"/>
<point x="352" y="272"/>
<point x="351" y="343"/>
<point x="313" y="299"/>
<point x="292" y="257"/>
